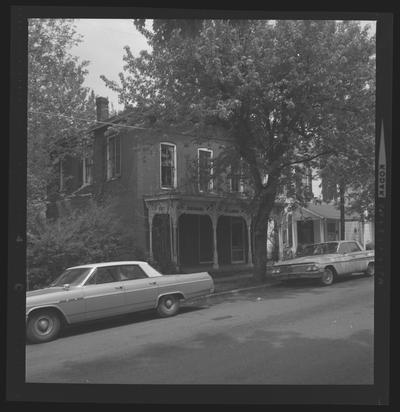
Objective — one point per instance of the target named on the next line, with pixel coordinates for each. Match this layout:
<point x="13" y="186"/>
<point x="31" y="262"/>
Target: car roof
<point x="101" y="264"/>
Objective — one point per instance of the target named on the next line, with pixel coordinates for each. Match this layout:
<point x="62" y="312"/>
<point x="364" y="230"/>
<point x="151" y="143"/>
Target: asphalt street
<point x="282" y="334"/>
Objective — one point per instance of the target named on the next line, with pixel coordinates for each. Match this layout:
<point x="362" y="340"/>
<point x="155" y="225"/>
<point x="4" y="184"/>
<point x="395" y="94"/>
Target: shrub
<point x="93" y="234"/>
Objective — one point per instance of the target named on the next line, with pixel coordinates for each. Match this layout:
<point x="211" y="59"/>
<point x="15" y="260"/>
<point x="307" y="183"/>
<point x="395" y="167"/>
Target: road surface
<point x="296" y="334"/>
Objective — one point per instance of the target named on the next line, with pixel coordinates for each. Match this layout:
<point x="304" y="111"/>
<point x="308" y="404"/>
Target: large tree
<point x="275" y="88"/>
<point x="57" y="103"/>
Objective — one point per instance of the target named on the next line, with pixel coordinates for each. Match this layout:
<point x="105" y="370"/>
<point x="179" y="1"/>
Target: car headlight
<point x="310" y="268"/>
<point x="275" y="271"/>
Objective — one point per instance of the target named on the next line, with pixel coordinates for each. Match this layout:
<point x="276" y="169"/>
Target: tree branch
<point x="307" y="159"/>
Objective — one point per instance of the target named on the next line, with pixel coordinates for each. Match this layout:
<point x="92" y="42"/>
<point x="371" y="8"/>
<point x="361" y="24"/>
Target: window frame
<point x="211" y="180"/>
<point x="240" y="180"/>
<point x="109" y="175"/>
<point x="87" y="178"/>
<point x="174" y="167"/>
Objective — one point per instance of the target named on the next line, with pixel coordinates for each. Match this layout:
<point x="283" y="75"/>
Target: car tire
<point x="43" y="326"/>
<point x="328" y="277"/>
<point x="168" y="306"/>
<point x="370" y="269"/>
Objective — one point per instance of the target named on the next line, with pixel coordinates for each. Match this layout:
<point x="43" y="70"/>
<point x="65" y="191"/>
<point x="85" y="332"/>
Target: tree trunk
<point x="342" y="212"/>
<point x="265" y="206"/>
<point x="260" y="253"/>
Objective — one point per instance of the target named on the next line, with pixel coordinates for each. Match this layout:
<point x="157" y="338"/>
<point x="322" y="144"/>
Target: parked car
<point x="325" y="261"/>
<point x="88" y="292"/>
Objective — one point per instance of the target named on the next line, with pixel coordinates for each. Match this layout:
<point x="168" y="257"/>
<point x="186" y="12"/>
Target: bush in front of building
<point x="92" y="234"/>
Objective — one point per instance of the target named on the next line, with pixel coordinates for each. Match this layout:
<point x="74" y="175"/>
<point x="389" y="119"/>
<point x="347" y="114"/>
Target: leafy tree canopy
<point x="57" y="100"/>
<point x="285" y="92"/>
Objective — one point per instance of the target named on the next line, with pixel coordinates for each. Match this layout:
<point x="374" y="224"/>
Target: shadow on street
<point x="117" y="321"/>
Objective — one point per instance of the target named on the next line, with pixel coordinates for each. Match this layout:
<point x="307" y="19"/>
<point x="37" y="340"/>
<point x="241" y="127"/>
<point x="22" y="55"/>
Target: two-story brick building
<point x="163" y="180"/>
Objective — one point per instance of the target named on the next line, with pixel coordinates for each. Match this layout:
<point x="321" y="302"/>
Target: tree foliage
<point x="57" y="100"/>
<point x="95" y="233"/>
<point x="285" y="92"/>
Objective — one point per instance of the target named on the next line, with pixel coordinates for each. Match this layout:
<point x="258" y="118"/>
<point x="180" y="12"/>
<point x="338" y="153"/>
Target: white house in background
<point x="319" y="221"/>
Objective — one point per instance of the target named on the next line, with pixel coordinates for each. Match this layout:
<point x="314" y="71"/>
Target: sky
<point x="103" y="43"/>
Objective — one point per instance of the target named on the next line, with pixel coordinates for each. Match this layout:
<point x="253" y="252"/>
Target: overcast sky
<point x="103" y="43"/>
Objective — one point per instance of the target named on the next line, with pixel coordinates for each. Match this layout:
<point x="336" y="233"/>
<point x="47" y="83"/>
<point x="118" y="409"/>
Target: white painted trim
<point x="211" y="181"/>
<point x="175" y="167"/>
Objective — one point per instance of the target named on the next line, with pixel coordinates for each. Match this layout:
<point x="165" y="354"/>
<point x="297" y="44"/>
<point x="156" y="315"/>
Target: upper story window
<point x="86" y="172"/>
<point x="168" y="165"/>
<point x="113" y="156"/>
<point x="237" y="179"/>
<point x="205" y="170"/>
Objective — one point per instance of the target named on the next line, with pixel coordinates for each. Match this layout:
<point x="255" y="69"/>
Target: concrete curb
<point x="232" y="291"/>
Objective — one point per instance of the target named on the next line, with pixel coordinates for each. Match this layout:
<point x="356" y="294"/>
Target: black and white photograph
<point x="203" y="201"/>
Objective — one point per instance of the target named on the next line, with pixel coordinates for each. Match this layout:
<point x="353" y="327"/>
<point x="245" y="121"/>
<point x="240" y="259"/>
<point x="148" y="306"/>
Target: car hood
<point x="45" y="291"/>
<point x="308" y="259"/>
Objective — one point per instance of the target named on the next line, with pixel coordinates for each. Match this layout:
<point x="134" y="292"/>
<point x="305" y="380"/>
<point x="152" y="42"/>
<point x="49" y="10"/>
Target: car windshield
<point x="71" y="277"/>
<point x="317" y="249"/>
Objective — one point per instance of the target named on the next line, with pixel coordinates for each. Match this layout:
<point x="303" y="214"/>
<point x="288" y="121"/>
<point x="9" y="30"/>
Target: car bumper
<point x="301" y="275"/>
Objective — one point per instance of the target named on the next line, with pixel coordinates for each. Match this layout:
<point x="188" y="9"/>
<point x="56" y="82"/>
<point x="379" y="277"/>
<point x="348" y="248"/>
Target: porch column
<point x="151" y="215"/>
<point x="280" y="237"/>
<point x="173" y="228"/>
<point x="250" y="254"/>
<point x="294" y="235"/>
<point x="322" y="230"/>
<point x="214" y="219"/>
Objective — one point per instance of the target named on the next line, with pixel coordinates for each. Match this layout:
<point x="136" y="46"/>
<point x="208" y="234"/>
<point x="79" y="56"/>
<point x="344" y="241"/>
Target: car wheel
<point x="370" y="269"/>
<point x="168" y="305"/>
<point x="43" y="326"/>
<point x="327" y="277"/>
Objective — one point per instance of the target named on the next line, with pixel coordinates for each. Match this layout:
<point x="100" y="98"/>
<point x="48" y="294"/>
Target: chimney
<point x="102" y="108"/>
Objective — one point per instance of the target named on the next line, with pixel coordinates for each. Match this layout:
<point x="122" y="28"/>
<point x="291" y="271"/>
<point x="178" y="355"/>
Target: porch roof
<point x="324" y="211"/>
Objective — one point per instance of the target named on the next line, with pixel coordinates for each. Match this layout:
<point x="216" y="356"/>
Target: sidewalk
<point x="238" y="282"/>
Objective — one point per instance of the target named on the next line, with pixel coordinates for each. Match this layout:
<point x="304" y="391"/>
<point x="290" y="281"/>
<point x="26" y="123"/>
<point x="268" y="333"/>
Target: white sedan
<point x="100" y="290"/>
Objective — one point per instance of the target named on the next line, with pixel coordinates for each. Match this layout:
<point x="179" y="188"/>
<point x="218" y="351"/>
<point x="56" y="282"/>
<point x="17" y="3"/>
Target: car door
<point x="141" y="291"/>
<point x="345" y="263"/>
<point x="359" y="262"/>
<point x="104" y="294"/>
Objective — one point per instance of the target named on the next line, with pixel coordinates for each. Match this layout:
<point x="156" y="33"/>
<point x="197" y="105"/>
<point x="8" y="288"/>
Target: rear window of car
<point x="131" y="272"/>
